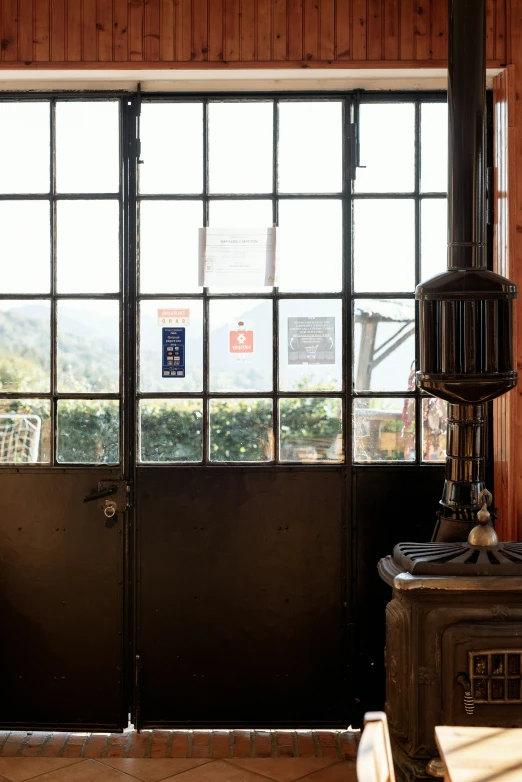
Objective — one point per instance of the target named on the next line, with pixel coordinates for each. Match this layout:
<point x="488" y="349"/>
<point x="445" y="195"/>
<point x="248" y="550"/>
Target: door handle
<point x="99" y="495"/>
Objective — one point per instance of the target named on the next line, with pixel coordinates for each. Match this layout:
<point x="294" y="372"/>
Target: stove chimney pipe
<point x="466" y="313"/>
<point x="466" y="134"/>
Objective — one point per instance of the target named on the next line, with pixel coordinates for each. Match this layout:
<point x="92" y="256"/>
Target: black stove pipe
<point x="466" y="134"/>
<point x="466" y="313"/>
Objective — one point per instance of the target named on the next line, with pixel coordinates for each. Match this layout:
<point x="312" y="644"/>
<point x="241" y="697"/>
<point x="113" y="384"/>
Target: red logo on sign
<point x="241" y="341"/>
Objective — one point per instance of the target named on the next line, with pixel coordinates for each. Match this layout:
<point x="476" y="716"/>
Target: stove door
<point x="488" y="655"/>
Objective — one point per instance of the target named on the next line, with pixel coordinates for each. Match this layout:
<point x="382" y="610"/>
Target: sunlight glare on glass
<point x="87" y="147"/>
<point x="171" y="136"/>
<point x="434" y="236"/>
<point x="240" y="147"/>
<point x="169" y="236"/>
<point x="25" y="247"/>
<point x="434" y="147"/>
<point x="387" y="148"/>
<point x="310" y="245"/>
<point x="384" y="245"/>
<point x="88" y="250"/>
<point x="310" y="147"/>
<point x="24" y="140"/>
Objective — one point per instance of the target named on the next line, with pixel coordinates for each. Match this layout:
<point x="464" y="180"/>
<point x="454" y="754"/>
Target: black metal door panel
<point x="60" y="603"/>
<point x="241" y="596"/>
<point x="390" y="505"/>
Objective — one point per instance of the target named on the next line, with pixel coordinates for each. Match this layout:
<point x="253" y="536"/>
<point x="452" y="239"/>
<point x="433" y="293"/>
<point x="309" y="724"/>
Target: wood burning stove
<point x="454" y="624"/>
<point x="453" y="646"/>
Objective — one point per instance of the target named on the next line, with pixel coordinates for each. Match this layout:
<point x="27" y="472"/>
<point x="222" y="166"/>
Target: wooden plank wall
<point x="508" y="254"/>
<point x="217" y="33"/>
<point x="505" y="438"/>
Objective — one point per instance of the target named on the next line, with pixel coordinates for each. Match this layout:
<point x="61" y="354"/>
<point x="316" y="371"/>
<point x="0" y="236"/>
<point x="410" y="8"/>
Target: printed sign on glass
<point x="170" y="317"/>
<point x="173" y="352"/>
<point x="241" y="341"/>
<point x="235" y="257"/>
<point x="311" y="340"/>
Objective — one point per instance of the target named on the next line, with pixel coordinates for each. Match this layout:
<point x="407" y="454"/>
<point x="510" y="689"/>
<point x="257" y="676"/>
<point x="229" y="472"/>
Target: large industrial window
<point x="99" y="225"/>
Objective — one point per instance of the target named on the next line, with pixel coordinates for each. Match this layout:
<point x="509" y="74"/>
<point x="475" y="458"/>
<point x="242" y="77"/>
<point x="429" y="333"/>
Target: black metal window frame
<point x="54" y="297"/>
<point x="351" y="103"/>
<point x="130" y="297"/>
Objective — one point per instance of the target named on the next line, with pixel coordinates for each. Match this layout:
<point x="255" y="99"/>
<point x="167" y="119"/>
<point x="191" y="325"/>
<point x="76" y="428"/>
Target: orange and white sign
<point x="174" y="317"/>
<point x="241" y="342"/>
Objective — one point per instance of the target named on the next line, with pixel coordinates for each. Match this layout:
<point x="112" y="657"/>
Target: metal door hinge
<point x="351" y="150"/>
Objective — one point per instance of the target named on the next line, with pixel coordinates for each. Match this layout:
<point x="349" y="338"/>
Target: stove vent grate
<point x="459" y="559"/>
<point x="496" y="675"/>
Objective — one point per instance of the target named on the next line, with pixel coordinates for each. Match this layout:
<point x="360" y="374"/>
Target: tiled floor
<point x="311" y="769"/>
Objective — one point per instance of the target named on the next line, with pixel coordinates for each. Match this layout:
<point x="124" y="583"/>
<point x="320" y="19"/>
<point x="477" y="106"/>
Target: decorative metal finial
<point x="483" y="534"/>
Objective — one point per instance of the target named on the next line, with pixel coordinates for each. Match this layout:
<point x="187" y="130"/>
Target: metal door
<point x="62" y="290"/>
<point x="248" y="546"/>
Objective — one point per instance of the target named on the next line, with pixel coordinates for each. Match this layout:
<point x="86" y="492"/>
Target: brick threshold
<point x="334" y="744"/>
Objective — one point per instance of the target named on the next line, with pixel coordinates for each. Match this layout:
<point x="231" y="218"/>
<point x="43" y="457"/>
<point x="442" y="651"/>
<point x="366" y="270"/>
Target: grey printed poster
<point x="311" y="340"/>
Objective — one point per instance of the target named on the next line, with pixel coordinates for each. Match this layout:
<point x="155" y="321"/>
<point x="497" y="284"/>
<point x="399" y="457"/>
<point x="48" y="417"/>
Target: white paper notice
<point x="236" y="257"/>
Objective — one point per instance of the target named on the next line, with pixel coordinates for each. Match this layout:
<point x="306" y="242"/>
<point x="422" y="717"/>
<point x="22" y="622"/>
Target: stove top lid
<point x="459" y="559"/>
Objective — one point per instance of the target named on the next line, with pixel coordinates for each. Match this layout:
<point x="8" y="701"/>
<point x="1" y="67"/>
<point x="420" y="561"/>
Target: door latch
<point x="113" y="497"/>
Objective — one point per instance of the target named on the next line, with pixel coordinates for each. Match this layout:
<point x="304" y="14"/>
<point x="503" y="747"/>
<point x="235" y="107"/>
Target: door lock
<point x="109" y="509"/>
<point x="117" y="491"/>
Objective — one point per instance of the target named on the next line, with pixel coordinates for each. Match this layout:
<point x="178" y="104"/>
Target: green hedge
<point x="171" y="430"/>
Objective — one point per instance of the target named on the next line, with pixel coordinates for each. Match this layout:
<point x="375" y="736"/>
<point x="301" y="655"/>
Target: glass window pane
<point x="25" y="343"/>
<point x="310" y="345"/>
<point x="25" y="145"/>
<point x="169" y="242"/>
<point x="241" y="214"/>
<point x="88" y="431"/>
<point x="384" y="430"/>
<point x="151" y="347"/>
<point x="387" y="148"/>
<point x="88" y="346"/>
<point x="25" y="431"/>
<point x="241" y="343"/>
<point x="434" y="147"/>
<point x="384" y="245"/>
<point x="171" y="430"/>
<point x="311" y="430"/>
<point x="384" y="345"/>
<point x="310" y="147"/>
<point x="241" y="430"/>
<point x="310" y="245"/>
<point x="240" y="147"/>
<point x="171" y="137"/>
<point x="88" y="249"/>
<point x="434" y="429"/>
<point x="87" y="147"/>
<point x="25" y="247"/>
<point x="434" y="236"/>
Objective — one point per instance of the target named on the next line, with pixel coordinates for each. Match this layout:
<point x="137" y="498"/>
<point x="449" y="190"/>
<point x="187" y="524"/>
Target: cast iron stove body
<point x="453" y="644"/>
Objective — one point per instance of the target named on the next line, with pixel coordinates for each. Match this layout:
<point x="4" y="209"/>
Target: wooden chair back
<point x="374" y="757"/>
